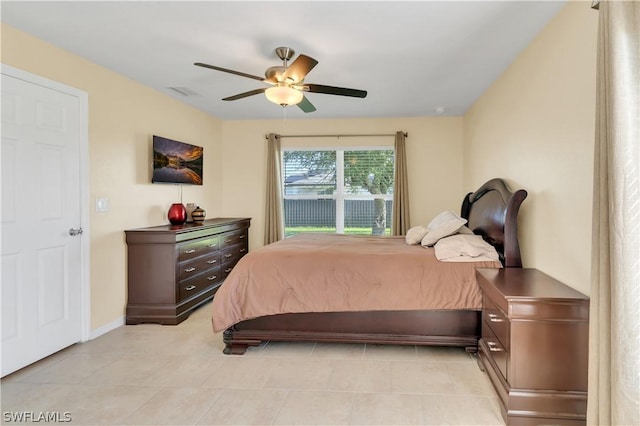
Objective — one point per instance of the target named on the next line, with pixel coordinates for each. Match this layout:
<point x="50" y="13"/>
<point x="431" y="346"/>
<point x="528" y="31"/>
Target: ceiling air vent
<point x="184" y="91"/>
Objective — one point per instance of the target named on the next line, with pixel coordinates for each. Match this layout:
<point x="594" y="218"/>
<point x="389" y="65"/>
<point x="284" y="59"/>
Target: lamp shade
<point x="283" y="95"/>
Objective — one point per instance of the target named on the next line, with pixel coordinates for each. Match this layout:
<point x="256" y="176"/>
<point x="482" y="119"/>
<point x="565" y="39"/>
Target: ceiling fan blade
<point x="331" y="90"/>
<point x="245" y="94"/>
<point x="299" y="68"/>
<point x="305" y="105"/>
<point x="241" y="74"/>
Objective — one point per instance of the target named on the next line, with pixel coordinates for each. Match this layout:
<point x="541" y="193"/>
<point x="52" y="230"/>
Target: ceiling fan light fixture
<point x="288" y="82"/>
<point x="283" y="95"/>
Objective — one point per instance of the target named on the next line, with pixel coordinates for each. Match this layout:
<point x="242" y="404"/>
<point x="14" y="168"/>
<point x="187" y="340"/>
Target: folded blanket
<point x="465" y="248"/>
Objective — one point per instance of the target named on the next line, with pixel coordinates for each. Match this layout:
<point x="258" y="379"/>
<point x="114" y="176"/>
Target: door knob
<point x="75" y="231"/>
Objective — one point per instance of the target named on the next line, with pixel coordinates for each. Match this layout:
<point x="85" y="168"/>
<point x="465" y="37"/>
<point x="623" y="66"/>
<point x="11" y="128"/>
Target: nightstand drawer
<point x="197" y="266"/>
<point x="497" y="320"/>
<point x="496" y="350"/>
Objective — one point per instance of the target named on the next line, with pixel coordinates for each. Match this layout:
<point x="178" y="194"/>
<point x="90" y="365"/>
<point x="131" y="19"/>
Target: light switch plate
<point x="102" y="205"/>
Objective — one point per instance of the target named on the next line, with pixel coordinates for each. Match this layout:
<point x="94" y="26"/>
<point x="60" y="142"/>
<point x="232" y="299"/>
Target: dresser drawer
<point x="230" y="258"/>
<point x="233" y="238"/>
<point x="232" y="254"/>
<point x="197" y="248"/>
<point x="197" y="266"/>
<point x="497" y="321"/>
<point x="496" y="350"/>
<point x="226" y="269"/>
<point x="194" y="286"/>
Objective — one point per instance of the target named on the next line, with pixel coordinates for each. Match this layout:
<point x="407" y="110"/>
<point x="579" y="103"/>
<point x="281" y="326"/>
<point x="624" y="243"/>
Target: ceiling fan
<point x="287" y="82"/>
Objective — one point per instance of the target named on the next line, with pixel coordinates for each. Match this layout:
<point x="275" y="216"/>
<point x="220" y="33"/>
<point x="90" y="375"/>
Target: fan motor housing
<point x="275" y="73"/>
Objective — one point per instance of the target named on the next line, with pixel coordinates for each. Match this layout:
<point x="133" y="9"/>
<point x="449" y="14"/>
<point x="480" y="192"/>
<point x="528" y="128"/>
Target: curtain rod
<point x="338" y="136"/>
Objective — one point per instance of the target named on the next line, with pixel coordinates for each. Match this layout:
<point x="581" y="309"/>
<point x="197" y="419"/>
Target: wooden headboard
<point x="492" y="212"/>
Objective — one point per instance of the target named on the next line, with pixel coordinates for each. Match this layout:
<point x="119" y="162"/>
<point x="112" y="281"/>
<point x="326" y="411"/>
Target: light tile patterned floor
<point x="177" y="375"/>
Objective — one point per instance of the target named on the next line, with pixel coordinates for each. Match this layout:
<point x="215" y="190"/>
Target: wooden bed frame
<point x="491" y="211"/>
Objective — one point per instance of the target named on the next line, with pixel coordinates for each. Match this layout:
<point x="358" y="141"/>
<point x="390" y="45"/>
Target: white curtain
<point x="273" y="222"/>
<point x="614" y="340"/>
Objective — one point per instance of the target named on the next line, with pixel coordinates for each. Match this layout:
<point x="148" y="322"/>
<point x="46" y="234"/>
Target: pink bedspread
<point x="335" y="273"/>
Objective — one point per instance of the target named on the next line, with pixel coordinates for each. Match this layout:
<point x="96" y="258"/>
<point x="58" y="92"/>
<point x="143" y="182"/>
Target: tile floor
<point x="177" y="375"/>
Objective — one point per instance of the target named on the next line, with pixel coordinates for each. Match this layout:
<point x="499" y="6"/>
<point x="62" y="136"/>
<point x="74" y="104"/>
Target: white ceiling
<point x="411" y="57"/>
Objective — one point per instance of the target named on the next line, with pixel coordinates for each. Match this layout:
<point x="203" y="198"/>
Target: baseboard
<point x="95" y="333"/>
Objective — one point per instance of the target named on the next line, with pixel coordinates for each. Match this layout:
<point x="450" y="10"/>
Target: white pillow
<point x="416" y="234"/>
<point x="445" y="224"/>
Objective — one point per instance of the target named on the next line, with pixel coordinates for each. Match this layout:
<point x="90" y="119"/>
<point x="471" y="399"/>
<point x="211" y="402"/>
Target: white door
<point x="42" y="289"/>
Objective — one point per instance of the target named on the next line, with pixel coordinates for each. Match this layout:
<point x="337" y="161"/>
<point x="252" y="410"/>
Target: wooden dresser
<point x="534" y="346"/>
<point x="174" y="269"/>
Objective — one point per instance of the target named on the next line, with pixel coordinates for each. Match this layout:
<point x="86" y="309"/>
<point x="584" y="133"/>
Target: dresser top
<point x="190" y="226"/>
<point x="171" y="234"/>
<point x="525" y="283"/>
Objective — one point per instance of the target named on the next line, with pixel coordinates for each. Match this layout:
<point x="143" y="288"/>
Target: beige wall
<point x="123" y="115"/>
<point x="535" y="126"/>
<point x="434" y="150"/>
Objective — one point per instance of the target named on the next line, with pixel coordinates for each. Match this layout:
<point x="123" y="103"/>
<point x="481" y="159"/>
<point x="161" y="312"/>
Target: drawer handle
<point x="212" y="245"/>
<point x="191" y="287"/>
<point x="495" y="318"/>
<point x="228" y="255"/>
<point x="228" y="270"/>
<point x="190" y="269"/>
<point x="242" y="236"/>
<point x="211" y="262"/>
<point x="493" y="347"/>
<point x="242" y="250"/>
<point x="212" y="277"/>
<point x="190" y="251"/>
<point x="229" y="240"/>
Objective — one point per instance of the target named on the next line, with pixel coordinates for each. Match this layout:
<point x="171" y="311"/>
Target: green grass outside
<point x="348" y="231"/>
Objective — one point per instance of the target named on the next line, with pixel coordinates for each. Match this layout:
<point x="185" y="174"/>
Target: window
<point x="347" y="191"/>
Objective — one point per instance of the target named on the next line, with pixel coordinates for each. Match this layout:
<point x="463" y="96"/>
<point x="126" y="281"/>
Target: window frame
<point x="340" y="195"/>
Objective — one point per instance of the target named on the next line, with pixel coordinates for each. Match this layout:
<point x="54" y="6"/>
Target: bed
<point x="248" y="319"/>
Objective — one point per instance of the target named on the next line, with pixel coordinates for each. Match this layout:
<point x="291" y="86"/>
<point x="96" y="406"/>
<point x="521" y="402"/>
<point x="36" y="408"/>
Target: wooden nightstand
<point x="534" y="346"/>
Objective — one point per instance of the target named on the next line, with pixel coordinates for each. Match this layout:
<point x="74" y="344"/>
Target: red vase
<point x="177" y="214"/>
